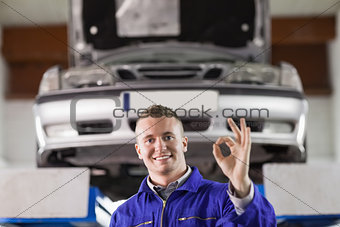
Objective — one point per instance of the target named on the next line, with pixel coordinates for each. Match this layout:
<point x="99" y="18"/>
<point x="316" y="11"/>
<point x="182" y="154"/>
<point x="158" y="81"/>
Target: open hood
<point x="96" y="28"/>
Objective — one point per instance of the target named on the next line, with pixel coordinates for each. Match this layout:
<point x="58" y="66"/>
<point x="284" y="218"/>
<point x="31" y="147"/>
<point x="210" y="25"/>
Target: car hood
<point x="96" y="29"/>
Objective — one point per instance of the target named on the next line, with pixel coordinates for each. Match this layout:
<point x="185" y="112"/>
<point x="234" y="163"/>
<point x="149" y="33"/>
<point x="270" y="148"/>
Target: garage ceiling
<point x="56" y="11"/>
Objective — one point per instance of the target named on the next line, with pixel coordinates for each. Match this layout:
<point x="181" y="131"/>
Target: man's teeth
<point x="163" y="157"/>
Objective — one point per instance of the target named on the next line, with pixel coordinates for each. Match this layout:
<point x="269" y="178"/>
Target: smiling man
<point x="175" y="194"/>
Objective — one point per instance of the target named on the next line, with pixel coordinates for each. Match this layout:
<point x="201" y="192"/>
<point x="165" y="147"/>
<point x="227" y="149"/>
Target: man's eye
<point x="168" y="138"/>
<point x="149" y="141"/>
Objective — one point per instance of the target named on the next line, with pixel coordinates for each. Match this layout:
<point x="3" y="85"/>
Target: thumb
<point x="217" y="153"/>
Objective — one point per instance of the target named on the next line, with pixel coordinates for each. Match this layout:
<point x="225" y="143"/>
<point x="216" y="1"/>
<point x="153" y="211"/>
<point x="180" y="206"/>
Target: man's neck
<point x="165" y="180"/>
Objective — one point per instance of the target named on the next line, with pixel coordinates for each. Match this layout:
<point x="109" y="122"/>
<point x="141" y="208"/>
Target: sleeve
<point x="259" y="212"/>
<point x="240" y="204"/>
<point x="117" y="220"/>
<point x="113" y="222"/>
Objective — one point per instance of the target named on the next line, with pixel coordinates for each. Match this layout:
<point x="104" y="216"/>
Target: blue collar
<point x="191" y="184"/>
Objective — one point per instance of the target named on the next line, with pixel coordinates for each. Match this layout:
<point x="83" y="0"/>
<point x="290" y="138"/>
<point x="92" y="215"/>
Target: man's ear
<point x="185" y="143"/>
<point x="138" y="151"/>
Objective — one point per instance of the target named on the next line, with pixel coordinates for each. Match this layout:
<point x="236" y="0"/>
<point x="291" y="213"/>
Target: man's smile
<point x="162" y="157"/>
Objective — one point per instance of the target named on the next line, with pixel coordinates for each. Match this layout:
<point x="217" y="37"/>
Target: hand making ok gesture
<point x="236" y="165"/>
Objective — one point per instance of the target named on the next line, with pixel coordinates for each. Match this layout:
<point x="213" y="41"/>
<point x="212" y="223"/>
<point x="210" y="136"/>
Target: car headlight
<point x="256" y="74"/>
<point x="60" y="130"/>
<point x="267" y="75"/>
<point x="290" y="76"/>
<point x="50" y="80"/>
<point x="86" y="77"/>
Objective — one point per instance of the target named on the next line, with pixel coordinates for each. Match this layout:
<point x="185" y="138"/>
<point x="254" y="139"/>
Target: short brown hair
<point x="158" y="111"/>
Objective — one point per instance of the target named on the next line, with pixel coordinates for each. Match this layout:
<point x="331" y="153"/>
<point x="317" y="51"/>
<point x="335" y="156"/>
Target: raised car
<point x="208" y="62"/>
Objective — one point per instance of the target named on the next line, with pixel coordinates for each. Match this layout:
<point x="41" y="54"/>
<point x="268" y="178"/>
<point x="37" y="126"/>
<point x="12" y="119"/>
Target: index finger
<point x="225" y="139"/>
<point x="235" y="129"/>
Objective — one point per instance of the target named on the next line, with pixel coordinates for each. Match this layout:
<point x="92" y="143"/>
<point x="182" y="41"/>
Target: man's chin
<point x="163" y="170"/>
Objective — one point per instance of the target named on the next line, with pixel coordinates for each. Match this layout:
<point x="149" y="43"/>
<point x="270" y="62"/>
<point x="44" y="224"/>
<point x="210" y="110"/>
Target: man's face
<point x="161" y="145"/>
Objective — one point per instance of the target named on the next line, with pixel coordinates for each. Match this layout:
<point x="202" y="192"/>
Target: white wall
<point x="320" y="142"/>
<point x="23" y="12"/>
<point x="20" y="135"/>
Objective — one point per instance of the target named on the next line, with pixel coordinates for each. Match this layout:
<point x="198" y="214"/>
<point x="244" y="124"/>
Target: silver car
<point x="85" y="115"/>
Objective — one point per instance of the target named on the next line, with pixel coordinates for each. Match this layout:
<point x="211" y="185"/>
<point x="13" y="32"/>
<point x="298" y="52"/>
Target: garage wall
<point x="2" y="87"/>
<point x="17" y="136"/>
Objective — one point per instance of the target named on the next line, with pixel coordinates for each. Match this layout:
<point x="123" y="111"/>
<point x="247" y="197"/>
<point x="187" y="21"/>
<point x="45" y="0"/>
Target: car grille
<point x="94" y="127"/>
<point x="126" y="74"/>
<point x="213" y="73"/>
<point x="167" y="72"/>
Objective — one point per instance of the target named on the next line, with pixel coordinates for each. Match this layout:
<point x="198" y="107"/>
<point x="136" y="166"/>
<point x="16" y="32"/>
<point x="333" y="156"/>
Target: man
<point x="175" y="194"/>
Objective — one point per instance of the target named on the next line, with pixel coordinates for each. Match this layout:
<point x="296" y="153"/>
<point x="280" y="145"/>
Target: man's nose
<point x="160" y="145"/>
